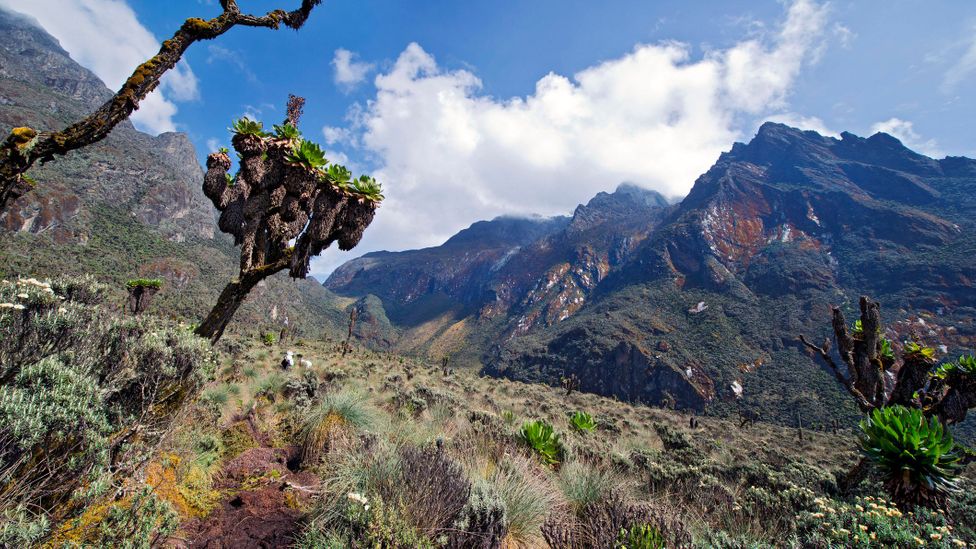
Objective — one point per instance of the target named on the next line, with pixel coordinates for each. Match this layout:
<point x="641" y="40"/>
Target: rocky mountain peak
<point x="156" y="180"/>
<point x="29" y="54"/>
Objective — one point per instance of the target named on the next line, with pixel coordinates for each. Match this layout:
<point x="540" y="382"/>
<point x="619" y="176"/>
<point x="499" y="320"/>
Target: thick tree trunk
<point x="855" y="476"/>
<point x="229" y="301"/>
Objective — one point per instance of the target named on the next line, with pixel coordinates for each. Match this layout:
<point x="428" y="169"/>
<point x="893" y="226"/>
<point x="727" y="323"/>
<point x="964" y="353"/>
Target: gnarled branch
<point x="25" y="146"/>
<point x="824" y="353"/>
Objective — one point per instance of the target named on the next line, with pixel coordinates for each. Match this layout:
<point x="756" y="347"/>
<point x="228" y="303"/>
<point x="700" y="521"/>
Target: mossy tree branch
<point x="25" y="146"/>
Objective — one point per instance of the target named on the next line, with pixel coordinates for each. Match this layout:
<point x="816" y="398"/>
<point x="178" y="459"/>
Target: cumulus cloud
<point x="349" y="72"/>
<point x="449" y="154"/>
<point x="106" y="37"/>
<point x="905" y="132"/>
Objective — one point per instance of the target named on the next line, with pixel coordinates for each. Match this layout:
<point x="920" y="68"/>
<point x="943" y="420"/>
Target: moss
<point x="195" y="25"/>
<point x="236" y="440"/>
<point x="77" y="531"/>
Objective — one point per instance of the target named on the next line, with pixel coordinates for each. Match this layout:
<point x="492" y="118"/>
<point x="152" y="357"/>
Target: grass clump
<point x="334" y="419"/>
<point x="583" y="484"/>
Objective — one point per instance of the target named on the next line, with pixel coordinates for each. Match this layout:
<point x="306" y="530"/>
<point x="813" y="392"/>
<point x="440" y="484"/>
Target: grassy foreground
<point x="396" y="452"/>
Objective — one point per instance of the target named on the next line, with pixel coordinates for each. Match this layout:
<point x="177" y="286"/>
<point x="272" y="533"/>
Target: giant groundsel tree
<point x="910" y="402"/>
<point x="283" y="207"/>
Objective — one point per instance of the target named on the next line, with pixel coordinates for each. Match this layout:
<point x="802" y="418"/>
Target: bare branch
<point x="824" y="353"/>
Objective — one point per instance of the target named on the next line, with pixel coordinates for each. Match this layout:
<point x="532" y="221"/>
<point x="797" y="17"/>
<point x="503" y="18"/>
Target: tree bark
<point x="233" y="296"/>
<point x="855" y="476"/>
<point x="25" y="146"/>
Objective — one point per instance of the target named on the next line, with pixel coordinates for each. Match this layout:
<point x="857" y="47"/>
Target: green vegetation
<point x="916" y="455"/>
<point x="540" y="436"/>
<point x="641" y="536"/>
<point x="868" y="522"/>
<point x="145" y="283"/>
<point x="339" y="176"/>
<point x="269" y="338"/>
<point x="965" y="365"/>
<point x="77" y="381"/>
<point x="247" y="127"/>
<point x="913" y="348"/>
<point x="582" y="422"/>
<point x="368" y="188"/>
<point x="287" y="131"/>
<point x="308" y="155"/>
<point x="338" y="416"/>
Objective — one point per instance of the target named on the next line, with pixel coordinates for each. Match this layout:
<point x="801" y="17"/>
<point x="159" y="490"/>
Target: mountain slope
<point x="696" y="302"/>
<point x="129" y="206"/>
<point x="501" y="278"/>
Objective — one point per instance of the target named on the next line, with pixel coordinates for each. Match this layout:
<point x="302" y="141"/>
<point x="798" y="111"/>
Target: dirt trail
<point x="263" y="504"/>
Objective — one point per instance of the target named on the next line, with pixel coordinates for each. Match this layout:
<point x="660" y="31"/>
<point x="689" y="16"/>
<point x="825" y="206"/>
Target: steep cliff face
<point x="155" y="178"/>
<point x="701" y="303"/>
<point x="129" y="206"/>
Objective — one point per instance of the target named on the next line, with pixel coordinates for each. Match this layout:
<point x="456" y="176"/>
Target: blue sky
<point x="471" y="109"/>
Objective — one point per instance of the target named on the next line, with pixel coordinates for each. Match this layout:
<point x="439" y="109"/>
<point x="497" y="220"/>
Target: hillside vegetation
<point x="365" y="449"/>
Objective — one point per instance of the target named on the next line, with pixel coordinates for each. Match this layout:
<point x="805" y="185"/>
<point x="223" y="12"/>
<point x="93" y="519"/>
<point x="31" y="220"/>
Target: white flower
<point x="358" y="498"/>
<point x="23" y="296"/>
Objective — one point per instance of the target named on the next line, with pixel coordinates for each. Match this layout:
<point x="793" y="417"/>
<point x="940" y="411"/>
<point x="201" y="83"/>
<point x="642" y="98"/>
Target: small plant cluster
<point x="582" y="422"/>
<point x="871" y="522"/>
<point x="915" y="455"/>
<point x="543" y="440"/>
<point x="144" y="283"/>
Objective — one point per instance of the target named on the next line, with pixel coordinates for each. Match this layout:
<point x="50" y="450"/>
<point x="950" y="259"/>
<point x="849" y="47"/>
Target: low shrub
<point x="84" y="393"/>
<point x="871" y="522"/>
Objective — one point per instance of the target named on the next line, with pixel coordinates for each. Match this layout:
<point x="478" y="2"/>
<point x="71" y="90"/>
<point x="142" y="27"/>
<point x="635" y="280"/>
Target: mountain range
<point x="698" y="304"/>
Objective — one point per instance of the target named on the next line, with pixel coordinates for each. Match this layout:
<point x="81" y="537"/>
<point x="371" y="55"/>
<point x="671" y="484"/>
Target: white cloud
<point x="844" y="35"/>
<point x="963" y="68"/>
<point x="449" y="155"/>
<point x="106" y="37"/>
<point x="221" y="55"/>
<point x="802" y="122"/>
<point x="349" y="72"/>
<point x="905" y="132"/>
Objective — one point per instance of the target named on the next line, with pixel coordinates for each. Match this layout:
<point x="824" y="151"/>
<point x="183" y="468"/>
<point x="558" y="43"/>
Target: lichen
<point x="195" y="25"/>
<point x="22" y="136"/>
